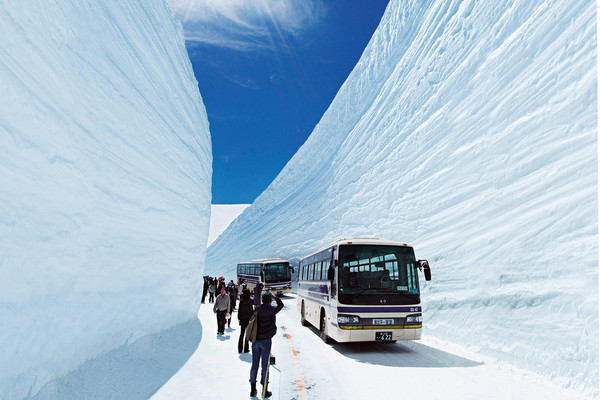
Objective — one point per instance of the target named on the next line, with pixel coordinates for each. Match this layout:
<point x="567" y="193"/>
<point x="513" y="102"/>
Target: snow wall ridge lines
<point x="106" y="185"/>
<point x="450" y="134"/>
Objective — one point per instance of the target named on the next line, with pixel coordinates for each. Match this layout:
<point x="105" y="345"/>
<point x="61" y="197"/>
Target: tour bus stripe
<point x="300" y="385"/>
<point x="379" y="309"/>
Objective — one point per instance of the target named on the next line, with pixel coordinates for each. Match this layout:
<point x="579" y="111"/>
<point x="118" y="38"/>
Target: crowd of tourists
<point x="255" y="306"/>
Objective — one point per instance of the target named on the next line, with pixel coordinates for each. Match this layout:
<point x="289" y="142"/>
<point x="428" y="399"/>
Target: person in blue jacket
<point x="261" y="348"/>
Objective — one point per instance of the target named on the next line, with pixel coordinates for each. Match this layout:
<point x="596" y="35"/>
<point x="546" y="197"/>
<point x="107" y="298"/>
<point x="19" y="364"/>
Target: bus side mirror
<point x="330" y="273"/>
<point x="424" y="266"/>
<point x="292" y="268"/>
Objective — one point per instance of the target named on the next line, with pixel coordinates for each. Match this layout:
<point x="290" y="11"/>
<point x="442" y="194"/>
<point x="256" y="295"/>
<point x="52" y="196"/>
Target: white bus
<point x="362" y="289"/>
<point x="273" y="273"/>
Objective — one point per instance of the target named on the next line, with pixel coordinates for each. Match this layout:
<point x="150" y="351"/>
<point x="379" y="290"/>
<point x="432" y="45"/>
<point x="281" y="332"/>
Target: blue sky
<point x="267" y="71"/>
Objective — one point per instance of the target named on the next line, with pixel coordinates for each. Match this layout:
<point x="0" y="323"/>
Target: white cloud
<point x="245" y="24"/>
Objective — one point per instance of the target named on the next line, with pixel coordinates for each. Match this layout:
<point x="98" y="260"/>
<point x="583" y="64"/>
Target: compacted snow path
<point x="307" y="368"/>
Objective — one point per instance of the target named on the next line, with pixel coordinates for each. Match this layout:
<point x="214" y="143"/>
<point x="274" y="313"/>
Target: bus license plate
<point x="383" y="321"/>
<point x="384" y="336"/>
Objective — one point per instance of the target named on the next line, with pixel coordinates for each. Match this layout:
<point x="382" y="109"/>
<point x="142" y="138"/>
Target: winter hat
<point x="266" y="298"/>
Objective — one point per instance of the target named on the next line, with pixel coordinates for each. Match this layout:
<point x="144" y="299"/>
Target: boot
<point x="266" y="392"/>
<point x="252" y="389"/>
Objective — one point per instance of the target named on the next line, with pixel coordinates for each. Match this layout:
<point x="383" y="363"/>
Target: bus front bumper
<point x="279" y="291"/>
<point x="369" y="334"/>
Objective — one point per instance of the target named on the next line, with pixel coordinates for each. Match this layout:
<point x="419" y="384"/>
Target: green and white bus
<point x="273" y="273"/>
<point x="362" y="289"/>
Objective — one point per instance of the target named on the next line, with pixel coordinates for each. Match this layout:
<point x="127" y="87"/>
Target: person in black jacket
<point x="258" y="293"/>
<point x="245" y="311"/>
<point x="205" y="288"/>
<point x="261" y="348"/>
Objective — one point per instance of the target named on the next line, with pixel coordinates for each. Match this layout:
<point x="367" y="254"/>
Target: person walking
<point x="205" y="288"/>
<point x="234" y="296"/>
<point x="258" y="293"/>
<point x="221" y="308"/>
<point x="211" y="291"/>
<point x="231" y="302"/>
<point x="261" y="348"/>
<point x="245" y="312"/>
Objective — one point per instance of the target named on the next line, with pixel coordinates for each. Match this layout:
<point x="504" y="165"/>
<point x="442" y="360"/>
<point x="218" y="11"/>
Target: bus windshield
<point x="368" y="270"/>
<point x="277" y="272"/>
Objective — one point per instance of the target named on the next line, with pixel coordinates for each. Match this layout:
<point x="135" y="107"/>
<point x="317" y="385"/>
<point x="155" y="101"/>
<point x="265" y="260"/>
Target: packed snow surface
<point x="468" y="129"/>
<point x="105" y="171"/>
<point x="307" y="368"/>
<point x="221" y="215"/>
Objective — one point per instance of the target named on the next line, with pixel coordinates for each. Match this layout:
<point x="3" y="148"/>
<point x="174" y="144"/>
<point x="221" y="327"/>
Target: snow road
<point x="307" y="368"/>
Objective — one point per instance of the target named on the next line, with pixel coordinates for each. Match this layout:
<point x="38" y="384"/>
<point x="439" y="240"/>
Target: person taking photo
<point x="261" y="348"/>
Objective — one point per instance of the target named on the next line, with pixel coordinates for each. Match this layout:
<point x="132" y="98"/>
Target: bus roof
<point x="265" y="261"/>
<point x="360" y="240"/>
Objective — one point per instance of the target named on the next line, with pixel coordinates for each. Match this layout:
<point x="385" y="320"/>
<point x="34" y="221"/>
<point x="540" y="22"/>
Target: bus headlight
<point x="348" y="319"/>
<point x="411" y="319"/>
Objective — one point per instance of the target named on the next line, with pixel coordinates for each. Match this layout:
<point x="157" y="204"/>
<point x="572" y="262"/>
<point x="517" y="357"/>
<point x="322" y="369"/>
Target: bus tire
<point x="303" y="320"/>
<point x="323" y="328"/>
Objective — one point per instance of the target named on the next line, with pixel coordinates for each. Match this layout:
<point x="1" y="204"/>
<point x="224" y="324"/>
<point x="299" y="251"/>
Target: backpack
<point x="252" y="329"/>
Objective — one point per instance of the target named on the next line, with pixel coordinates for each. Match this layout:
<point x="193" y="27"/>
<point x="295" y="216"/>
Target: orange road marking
<point x="300" y="385"/>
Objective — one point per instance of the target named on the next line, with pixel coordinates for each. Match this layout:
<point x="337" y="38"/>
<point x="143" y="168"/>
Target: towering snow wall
<point x="105" y="172"/>
<point x="467" y="128"/>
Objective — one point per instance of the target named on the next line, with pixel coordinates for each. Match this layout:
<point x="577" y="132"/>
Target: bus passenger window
<point x="317" y="271"/>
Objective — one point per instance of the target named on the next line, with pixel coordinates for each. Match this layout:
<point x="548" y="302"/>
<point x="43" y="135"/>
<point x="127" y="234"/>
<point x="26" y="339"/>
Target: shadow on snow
<point x="410" y="354"/>
<point x="132" y="371"/>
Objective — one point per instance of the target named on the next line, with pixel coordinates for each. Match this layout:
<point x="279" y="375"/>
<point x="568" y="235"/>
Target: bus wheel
<point x="303" y="320"/>
<point x="323" y="328"/>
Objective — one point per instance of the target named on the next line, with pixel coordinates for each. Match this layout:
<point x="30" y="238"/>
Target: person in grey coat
<point x="211" y="291"/>
<point x="221" y="308"/>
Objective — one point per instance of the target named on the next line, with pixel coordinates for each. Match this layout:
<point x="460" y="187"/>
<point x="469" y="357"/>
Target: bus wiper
<point x="361" y="291"/>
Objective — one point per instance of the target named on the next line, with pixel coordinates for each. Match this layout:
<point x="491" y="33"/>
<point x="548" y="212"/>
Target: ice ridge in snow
<point x="105" y="175"/>
<point x="468" y="129"/>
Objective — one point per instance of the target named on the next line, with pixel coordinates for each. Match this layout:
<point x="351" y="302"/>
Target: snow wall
<point x="468" y="129"/>
<point x="105" y="176"/>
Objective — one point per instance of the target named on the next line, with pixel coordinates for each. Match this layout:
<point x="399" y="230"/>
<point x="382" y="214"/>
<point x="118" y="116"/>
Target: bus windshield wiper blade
<point x="361" y="291"/>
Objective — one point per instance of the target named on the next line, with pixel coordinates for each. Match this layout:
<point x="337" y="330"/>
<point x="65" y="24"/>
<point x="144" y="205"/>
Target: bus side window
<point x="318" y="271"/>
<point x="322" y="271"/>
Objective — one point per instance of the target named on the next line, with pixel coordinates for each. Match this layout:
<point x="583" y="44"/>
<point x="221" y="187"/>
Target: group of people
<point x="250" y="303"/>
<point x="212" y="287"/>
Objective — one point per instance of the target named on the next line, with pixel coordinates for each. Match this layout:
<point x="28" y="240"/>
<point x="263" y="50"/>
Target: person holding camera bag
<point x="261" y="346"/>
